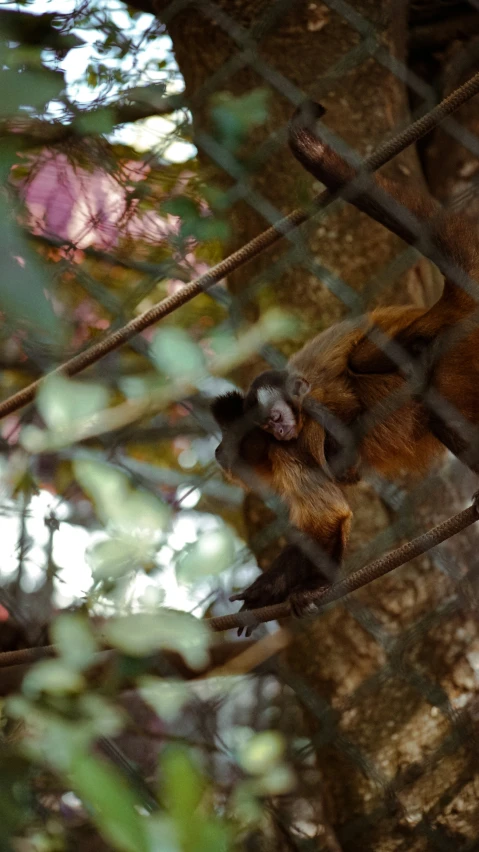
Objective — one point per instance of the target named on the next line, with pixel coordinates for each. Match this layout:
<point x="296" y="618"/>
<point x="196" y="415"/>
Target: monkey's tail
<point x="447" y="238"/>
<point x="306" y="140"/>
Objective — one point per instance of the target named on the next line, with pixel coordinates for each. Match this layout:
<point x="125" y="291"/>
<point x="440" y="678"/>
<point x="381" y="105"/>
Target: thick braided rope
<point x="255" y="246"/>
<point x="358" y="578"/>
<point x="338" y="590"/>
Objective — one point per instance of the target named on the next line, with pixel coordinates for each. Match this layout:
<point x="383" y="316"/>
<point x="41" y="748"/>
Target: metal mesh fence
<point x="406" y="786"/>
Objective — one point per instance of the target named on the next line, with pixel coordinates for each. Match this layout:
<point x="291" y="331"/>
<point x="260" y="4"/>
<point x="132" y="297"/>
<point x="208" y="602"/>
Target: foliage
<point x="119" y="527"/>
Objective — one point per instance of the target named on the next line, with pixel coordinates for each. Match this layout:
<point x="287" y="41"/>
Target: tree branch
<point x="34" y="132"/>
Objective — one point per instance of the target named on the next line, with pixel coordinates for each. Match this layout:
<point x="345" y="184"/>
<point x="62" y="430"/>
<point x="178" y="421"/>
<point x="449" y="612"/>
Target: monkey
<point x="318" y="510"/>
<point x="389" y="390"/>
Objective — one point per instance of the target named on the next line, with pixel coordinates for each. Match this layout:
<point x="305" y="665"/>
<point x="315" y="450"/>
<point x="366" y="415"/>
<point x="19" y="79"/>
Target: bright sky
<point x="151" y="132"/>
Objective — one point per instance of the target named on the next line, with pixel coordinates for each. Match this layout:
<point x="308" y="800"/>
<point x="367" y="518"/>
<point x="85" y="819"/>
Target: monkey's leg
<point x="291" y="571"/>
<point x="307" y="565"/>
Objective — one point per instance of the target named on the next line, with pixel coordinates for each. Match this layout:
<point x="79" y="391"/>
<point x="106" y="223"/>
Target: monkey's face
<point x="275" y="399"/>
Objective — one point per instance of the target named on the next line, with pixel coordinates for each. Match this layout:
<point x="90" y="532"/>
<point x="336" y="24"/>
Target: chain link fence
<point x="127" y="238"/>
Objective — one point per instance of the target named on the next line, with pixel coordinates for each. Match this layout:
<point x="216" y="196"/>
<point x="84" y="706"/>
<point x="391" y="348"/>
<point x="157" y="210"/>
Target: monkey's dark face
<point x="275" y="399"/>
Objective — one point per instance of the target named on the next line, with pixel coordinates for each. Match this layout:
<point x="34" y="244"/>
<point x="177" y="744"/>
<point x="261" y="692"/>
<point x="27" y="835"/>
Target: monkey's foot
<point x="257" y="595"/>
<point x="302" y="604"/>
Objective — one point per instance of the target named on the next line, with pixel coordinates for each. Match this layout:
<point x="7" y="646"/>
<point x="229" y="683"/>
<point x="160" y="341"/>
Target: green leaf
<point x="162" y="834"/>
<point x="183" y="786"/>
<point x="126" y="512"/>
<point x="182" y="206"/>
<point x="139" y="634"/>
<point x="209" y="555"/>
<point x="62" y="401"/>
<point x="112" y="558"/>
<point x="277" y="781"/>
<point x="52" y="676"/>
<point x="235" y="116"/>
<point x="261" y="752"/>
<point x="245" y="804"/>
<point x="25" y="283"/>
<point x="32" y="89"/>
<point x="96" y="122"/>
<point x="106" y="485"/>
<point x="111" y="801"/>
<point x="176" y="355"/>
<point x="75" y="641"/>
<point x="211" y="228"/>
<point x="167" y="697"/>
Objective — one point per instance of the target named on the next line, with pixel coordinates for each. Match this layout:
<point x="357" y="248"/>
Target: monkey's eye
<point x="275" y="416"/>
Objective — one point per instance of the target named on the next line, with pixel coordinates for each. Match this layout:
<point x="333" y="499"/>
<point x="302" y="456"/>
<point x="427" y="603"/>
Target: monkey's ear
<point x="228" y="408"/>
<point x="299" y="387"/>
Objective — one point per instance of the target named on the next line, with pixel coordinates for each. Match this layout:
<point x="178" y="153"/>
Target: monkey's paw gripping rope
<point x="316" y="600"/>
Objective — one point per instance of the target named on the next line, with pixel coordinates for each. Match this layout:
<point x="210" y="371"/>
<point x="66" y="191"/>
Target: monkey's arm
<point x="448" y="239"/>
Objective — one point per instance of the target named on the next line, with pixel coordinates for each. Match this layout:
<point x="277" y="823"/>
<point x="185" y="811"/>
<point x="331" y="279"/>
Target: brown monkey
<point x="391" y="389"/>
<point x="317" y="506"/>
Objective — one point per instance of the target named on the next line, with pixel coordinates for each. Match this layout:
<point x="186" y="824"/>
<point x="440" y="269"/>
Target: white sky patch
<point x="150" y="134"/>
<point x="73" y="578"/>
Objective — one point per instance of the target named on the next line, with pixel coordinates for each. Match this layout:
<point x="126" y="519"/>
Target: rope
<point x="258" y="244"/>
<point x="361" y="577"/>
<point x="319" y="598"/>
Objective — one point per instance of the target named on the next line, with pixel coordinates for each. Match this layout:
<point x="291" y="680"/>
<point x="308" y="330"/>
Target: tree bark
<point x="381" y="676"/>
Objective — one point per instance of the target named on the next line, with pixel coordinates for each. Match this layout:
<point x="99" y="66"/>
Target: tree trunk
<point x="382" y="675"/>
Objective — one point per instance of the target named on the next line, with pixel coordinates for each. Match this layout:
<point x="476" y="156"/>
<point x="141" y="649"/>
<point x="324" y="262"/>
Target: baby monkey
<point x="276" y="399"/>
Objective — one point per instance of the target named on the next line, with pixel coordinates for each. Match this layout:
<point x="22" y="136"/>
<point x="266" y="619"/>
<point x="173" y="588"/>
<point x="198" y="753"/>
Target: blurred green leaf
<point x="123" y="510"/>
<point x="245" y="805"/>
<point x="277" y="780"/>
<point x="234" y="116"/>
<point x="62" y="401"/>
<point x="75" y="641"/>
<point x="176" y="355"/>
<point x="97" y="122"/>
<point x="183" y="785"/>
<point x="33" y="89"/>
<point x="101" y="718"/>
<point x="139" y="634"/>
<point x="52" y="676"/>
<point x="25" y="283"/>
<point x="209" y="555"/>
<point x="261" y="752"/>
<point x="182" y="206"/>
<point x="162" y="834"/>
<point x="115" y="557"/>
<point x="194" y="223"/>
<point x="167" y="697"/>
<point x="111" y="802"/>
